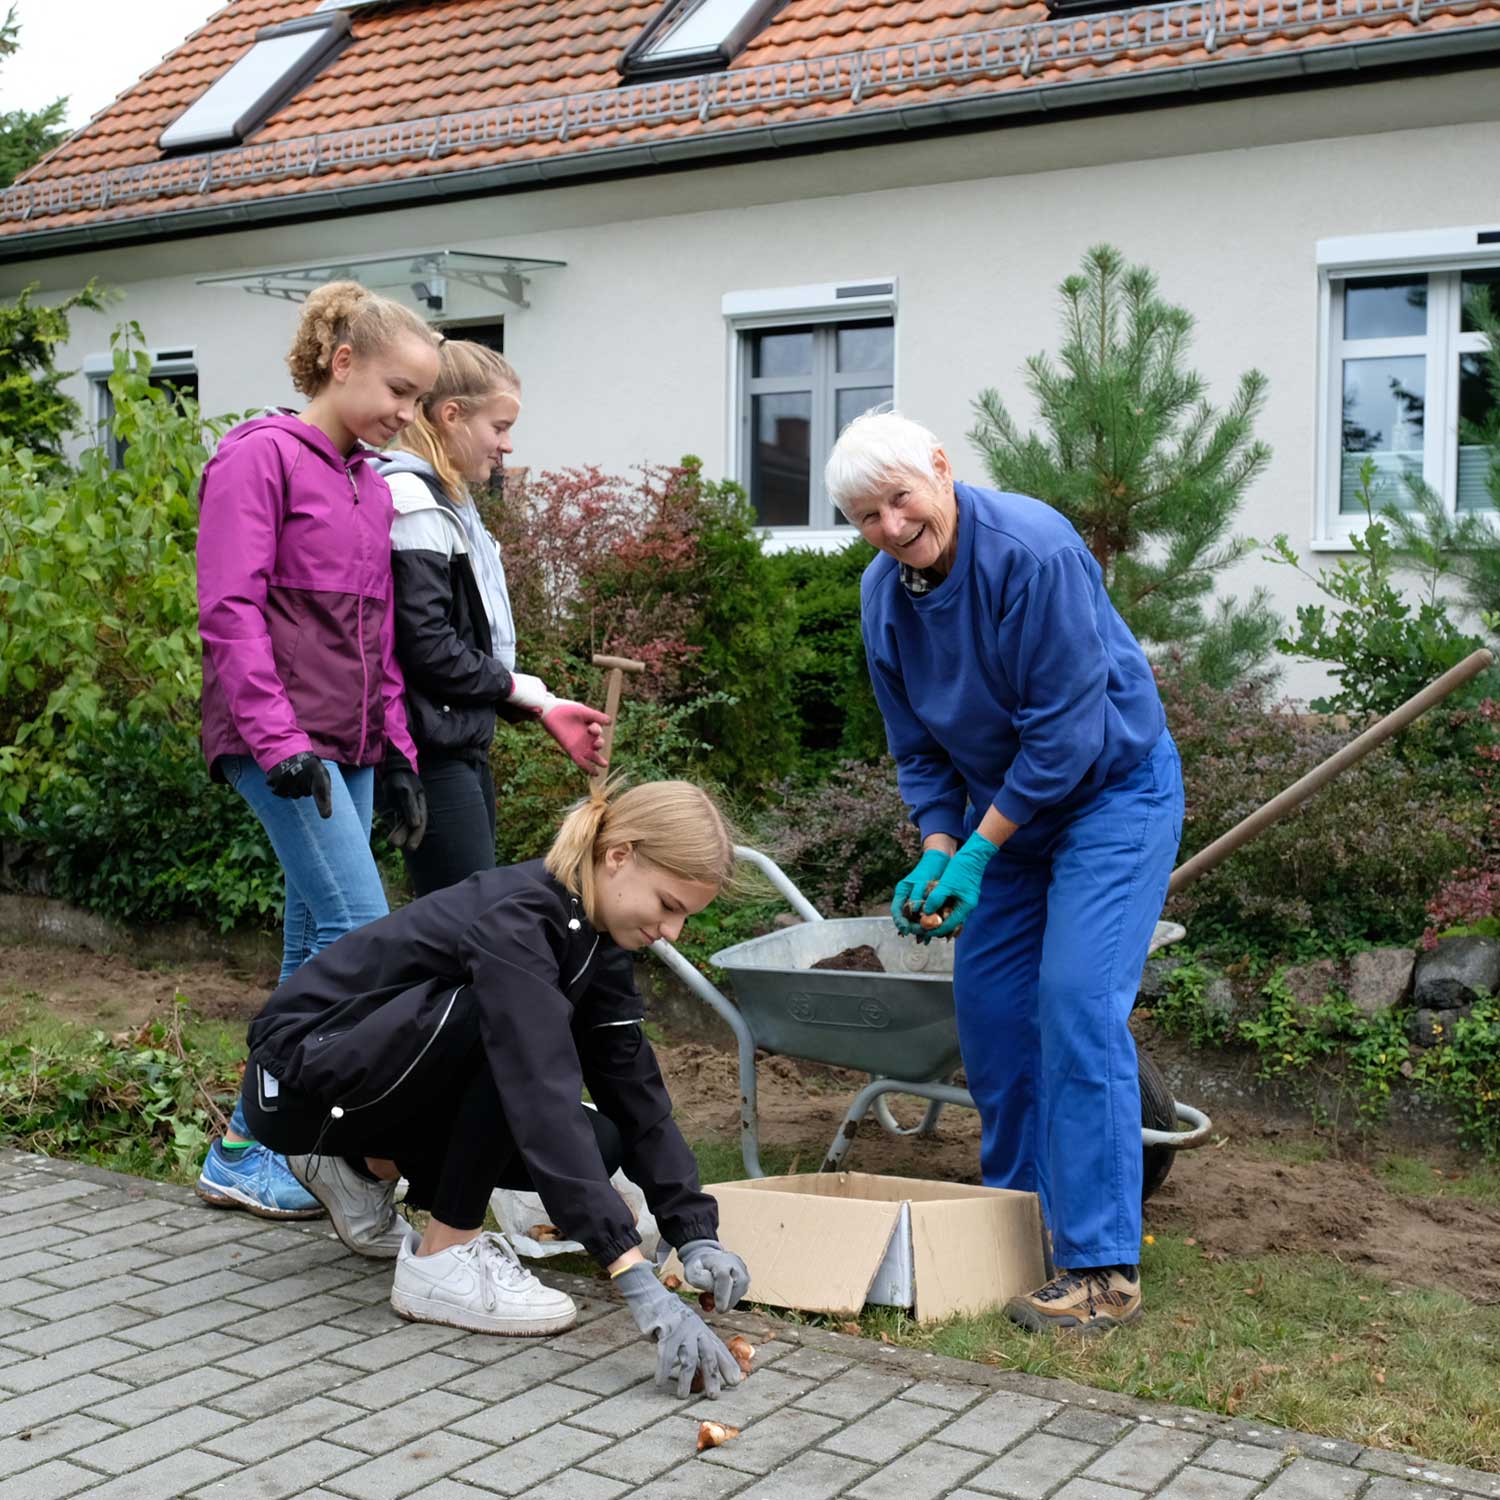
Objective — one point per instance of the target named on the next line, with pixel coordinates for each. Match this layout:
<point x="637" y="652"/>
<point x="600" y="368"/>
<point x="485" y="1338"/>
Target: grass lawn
<point x="1300" y="1342"/>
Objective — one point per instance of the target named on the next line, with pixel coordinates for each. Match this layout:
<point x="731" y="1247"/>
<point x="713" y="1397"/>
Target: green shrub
<point x="1464" y="1073"/>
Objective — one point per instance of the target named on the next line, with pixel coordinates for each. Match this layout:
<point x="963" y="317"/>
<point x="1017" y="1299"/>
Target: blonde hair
<point x="469" y="374"/>
<point x="344" y="312"/>
<point x="671" y="824"/>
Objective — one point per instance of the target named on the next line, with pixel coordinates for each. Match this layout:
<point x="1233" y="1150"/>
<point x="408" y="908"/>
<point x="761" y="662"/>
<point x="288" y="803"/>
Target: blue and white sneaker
<point x="257" y="1180"/>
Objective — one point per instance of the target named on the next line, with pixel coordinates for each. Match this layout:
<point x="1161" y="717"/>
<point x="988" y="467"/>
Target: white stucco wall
<point x="624" y="351"/>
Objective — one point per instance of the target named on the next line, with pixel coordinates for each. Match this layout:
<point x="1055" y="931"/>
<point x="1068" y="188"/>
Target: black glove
<point x="303" y="775"/>
<point x="405" y="806"/>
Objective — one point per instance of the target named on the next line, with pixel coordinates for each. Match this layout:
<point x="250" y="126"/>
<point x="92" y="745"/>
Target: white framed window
<point x="804" y="362"/>
<point x="171" y="369"/>
<point x="1401" y="371"/>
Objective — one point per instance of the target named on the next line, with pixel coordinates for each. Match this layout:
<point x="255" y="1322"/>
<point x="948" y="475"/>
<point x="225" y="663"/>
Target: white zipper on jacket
<point x="338" y="1111"/>
<point x="579" y="975"/>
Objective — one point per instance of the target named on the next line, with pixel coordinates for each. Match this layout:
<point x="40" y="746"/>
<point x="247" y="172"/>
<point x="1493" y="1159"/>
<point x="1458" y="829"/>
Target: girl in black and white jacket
<point x="455" y="634"/>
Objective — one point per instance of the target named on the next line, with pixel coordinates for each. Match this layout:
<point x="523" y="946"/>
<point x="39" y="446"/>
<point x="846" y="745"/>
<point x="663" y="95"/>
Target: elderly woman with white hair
<point x="1032" y="751"/>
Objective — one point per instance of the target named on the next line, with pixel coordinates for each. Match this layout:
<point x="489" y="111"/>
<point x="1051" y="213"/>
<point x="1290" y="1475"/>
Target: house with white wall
<point x="726" y="226"/>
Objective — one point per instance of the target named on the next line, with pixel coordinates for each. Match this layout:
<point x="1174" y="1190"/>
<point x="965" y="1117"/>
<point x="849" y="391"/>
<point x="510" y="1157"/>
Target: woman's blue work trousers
<point x="1045" y="973"/>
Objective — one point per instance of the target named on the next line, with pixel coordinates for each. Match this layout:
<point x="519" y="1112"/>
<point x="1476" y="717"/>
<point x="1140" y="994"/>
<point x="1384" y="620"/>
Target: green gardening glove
<point x="929" y="868"/>
<point x="959" y="883"/>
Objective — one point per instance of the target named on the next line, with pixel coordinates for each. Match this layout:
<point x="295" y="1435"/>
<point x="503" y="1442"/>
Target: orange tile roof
<point x="433" y="87"/>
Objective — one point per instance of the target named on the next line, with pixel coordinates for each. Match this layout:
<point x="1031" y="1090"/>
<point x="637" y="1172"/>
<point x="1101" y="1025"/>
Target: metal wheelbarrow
<point x="900" y="1027"/>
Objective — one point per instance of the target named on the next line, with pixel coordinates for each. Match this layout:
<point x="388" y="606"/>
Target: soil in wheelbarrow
<point x="1248" y="1195"/>
<point x="861" y="960"/>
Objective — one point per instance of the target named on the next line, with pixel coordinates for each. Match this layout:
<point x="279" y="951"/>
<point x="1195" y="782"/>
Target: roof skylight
<point x="280" y="60"/>
<point x="694" y="36"/>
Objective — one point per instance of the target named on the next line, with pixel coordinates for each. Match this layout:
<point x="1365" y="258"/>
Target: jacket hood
<point x="397" y="461"/>
<point x="313" y="438"/>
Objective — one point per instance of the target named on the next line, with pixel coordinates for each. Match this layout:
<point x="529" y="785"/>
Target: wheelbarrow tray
<point x="899" y="1024"/>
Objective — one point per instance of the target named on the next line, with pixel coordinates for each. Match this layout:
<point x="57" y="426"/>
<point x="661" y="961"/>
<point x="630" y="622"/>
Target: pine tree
<point x="26" y="136"/>
<point x="35" y="412"/>
<point x="1151" y="474"/>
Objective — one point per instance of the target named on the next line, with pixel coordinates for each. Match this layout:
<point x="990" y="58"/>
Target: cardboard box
<point x="831" y="1242"/>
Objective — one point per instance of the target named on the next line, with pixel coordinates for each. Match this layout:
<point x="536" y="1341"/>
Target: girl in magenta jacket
<point x="302" y="695"/>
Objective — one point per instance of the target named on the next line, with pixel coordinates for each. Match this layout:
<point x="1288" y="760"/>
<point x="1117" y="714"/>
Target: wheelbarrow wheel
<point x="1158" y="1112"/>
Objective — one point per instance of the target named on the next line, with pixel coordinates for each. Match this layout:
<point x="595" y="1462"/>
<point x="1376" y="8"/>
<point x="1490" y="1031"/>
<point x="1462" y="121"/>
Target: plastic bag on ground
<point x="519" y="1213"/>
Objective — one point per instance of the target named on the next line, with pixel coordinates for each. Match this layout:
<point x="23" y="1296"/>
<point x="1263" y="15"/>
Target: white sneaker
<point x="479" y="1286"/>
<point x="363" y="1212"/>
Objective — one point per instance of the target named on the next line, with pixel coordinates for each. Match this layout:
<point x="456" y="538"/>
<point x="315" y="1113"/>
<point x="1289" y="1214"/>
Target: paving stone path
<point x="151" y="1347"/>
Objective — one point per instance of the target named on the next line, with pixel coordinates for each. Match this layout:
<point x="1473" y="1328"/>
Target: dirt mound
<point x="861" y="960"/>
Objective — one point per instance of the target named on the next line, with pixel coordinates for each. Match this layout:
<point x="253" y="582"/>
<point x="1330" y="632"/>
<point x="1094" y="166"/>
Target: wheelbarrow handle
<point x="1296" y="794"/>
<point x="781" y="880"/>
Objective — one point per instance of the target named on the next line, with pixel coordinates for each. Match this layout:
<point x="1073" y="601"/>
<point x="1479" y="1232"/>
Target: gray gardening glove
<point x="685" y="1344"/>
<point x="707" y="1265"/>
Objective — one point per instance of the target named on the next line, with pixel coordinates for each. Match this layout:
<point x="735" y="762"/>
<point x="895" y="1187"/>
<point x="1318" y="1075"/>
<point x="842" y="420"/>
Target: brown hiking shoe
<point x="1083" y="1301"/>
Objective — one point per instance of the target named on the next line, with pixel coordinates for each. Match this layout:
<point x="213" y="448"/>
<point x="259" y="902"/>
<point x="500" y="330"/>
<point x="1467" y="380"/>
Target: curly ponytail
<point x="671" y="824"/>
<point x="344" y="312"/>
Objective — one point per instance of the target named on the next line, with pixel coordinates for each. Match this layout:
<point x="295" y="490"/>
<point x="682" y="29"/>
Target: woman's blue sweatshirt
<point x="1014" y="681"/>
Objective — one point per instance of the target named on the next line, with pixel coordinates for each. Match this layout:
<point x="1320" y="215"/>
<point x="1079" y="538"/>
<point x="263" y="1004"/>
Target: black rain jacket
<point x="558" y="1012"/>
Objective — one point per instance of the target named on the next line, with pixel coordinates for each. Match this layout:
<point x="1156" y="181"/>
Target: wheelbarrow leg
<point x="938" y="1094"/>
<point x="892" y="1126"/>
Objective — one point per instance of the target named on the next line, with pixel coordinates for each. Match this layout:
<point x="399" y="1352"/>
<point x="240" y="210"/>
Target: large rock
<point x="1432" y="1028"/>
<point x="1380" y="979"/>
<point x="1455" y="972"/>
<point x="1154" y="979"/>
<point x="1309" y="984"/>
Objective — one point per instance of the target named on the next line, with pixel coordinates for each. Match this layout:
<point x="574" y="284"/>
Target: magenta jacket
<point x="295" y="601"/>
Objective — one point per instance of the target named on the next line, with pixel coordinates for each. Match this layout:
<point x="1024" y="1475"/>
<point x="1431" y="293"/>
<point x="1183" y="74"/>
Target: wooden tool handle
<point x="619" y="663"/>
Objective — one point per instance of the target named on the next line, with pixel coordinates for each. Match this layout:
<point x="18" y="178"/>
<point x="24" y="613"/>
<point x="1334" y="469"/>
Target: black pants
<point x="460" y="835"/>
<point x="444" y="1127"/>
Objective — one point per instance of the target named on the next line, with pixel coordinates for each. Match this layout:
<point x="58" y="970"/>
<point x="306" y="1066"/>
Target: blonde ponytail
<point x="671" y="824"/>
<point x="469" y="374"/>
<point x="344" y="312"/>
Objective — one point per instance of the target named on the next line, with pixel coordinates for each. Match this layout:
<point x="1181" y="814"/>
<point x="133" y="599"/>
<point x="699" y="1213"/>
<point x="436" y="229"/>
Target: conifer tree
<point x="26" y="135"/>
<point x="1130" y="450"/>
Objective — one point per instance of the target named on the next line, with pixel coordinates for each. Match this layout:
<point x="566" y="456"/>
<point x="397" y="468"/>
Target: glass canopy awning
<point x="424" y="274"/>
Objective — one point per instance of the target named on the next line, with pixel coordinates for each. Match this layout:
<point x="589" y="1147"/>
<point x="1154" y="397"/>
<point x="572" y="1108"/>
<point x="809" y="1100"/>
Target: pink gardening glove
<point x="579" y="729"/>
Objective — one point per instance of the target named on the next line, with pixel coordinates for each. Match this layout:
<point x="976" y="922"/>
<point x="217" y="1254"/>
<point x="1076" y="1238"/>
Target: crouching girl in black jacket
<point x="451" y="1043"/>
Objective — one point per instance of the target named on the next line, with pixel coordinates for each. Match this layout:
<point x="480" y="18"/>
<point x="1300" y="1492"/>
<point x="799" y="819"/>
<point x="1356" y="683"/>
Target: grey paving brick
<point x="858" y="1390"/>
<point x="810" y="1476"/>
<point x="166" y="1478"/>
<point x="524" y="1465"/>
<point x="477" y="1348"/>
<point x="407" y="1341"/>
<point x="162" y="1397"/>
<point x="48" y="1369"/>
<point x="408" y="1420"/>
<point x="86" y="1298"/>
<point x="101" y="1221"/>
<point x="250" y="1442"/>
<point x="1088" y="1424"/>
<point x="887" y="1431"/>
<point x="260" y="1398"/>
<point x="998" y="1421"/>
<point x="137" y="1234"/>
<point x="287" y="1475"/>
<point x="175" y="1359"/>
<point x="1450" y="1476"/>
<point x="521" y="1415"/>
<point x="1193" y="1483"/>
<point x="409" y="1378"/>
<point x="575" y="1484"/>
<point x="180" y="1269"/>
<point x="653" y="1451"/>
<point x="52" y="1481"/>
<point x="1386" y="1488"/>
<point x="1330" y="1450"/>
<point x="1241" y="1458"/>
<point x="752" y="1399"/>
<point x="58" y="1190"/>
<point x="600" y="1337"/>
<point x="765" y="1446"/>
<point x="948" y="1394"/>
<point x="39" y="1218"/>
<point x="57" y="1400"/>
<point x="367" y="1290"/>
<point x="51" y="1439"/>
<point x="304" y="1256"/>
<point x="1143" y="1459"/>
<point x="692" y="1480"/>
<point x="615" y="1372"/>
<point x="52" y="1237"/>
<point x="69" y="1273"/>
<point x="929" y="1471"/>
<point x="528" y="1367"/>
<point x="29" y="1262"/>
<point x="282" y="1354"/>
<point x="213" y="1230"/>
<point x="630" y="1411"/>
<point x="158" y="1332"/>
<point x="373" y="1321"/>
<point x="287" y="1289"/>
<point x="12" y="1321"/>
<point x="184" y="1428"/>
<point x="411" y="1469"/>
<point x="47" y="1338"/>
<point x="1089" y="1489"/>
<point x="1035" y="1466"/>
<point x="291" y="1317"/>
<point x="1309" y="1479"/>
<point x="23" y="1289"/>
